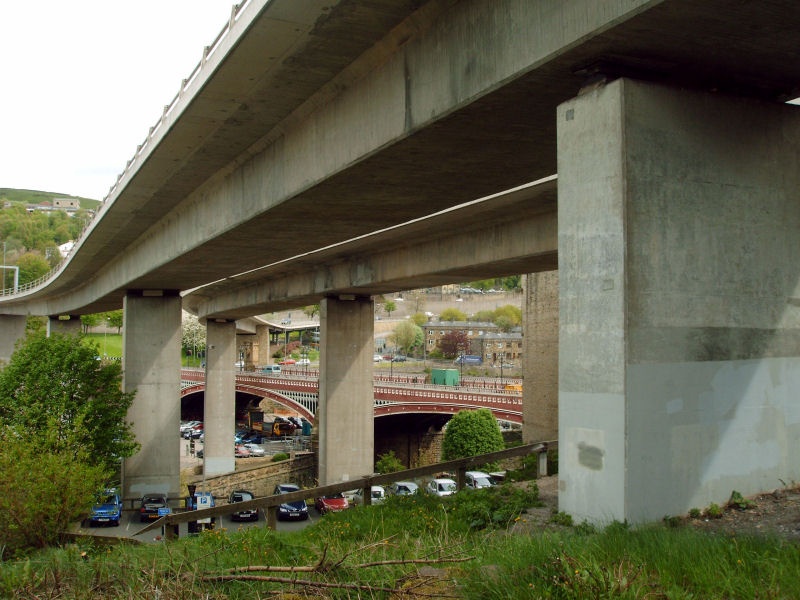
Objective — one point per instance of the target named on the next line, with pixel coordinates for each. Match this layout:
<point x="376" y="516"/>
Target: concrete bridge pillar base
<point x="345" y="413"/>
<point x="64" y="324"/>
<point x="12" y="328"/>
<point x="219" y="420"/>
<point x="679" y="263"/>
<point x="151" y="362"/>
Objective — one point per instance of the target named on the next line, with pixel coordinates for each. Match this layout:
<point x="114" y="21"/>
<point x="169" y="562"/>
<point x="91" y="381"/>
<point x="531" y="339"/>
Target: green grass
<point x="108" y="344"/>
<point x="478" y="561"/>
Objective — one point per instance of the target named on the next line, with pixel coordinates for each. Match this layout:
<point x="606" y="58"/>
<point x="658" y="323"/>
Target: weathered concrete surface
<point x="65" y="324"/>
<point x="540" y="358"/>
<point x="345" y="413"/>
<point x="219" y="419"/>
<point x="386" y="111"/>
<point x="12" y="329"/>
<point x="678" y="272"/>
<point x="151" y="363"/>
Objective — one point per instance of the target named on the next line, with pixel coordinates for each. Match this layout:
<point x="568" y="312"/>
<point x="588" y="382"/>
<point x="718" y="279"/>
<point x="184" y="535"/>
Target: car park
<point x="377" y="495"/>
<point x="153" y="506"/>
<point x="331" y="503"/>
<point x="107" y="509"/>
<point x="403" y="488"/>
<point x="297" y="510"/>
<point x="478" y="479"/>
<point x="441" y="486"/>
<point x="250" y="514"/>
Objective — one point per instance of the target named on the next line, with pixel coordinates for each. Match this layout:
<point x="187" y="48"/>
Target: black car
<point x="297" y="510"/>
<point x="243" y="515"/>
<point x="152" y="507"/>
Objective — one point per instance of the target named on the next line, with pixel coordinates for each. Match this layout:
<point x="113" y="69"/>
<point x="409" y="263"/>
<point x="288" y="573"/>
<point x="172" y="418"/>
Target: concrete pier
<point x="219" y="419"/>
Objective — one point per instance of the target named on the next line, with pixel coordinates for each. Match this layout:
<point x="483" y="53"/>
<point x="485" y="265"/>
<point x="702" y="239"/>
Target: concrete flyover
<point x="312" y="124"/>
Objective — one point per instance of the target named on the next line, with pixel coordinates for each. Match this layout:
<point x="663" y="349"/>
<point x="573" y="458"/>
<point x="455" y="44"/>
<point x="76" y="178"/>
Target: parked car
<point x="271" y="369"/>
<point x="478" y="479"/>
<point x="377" y="358"/>
<point x="403" y="488"/>
<point x="302" y="362"/>
<point x="189" y="425"/>
<point x="152" y="507"/>
<point x="331" y="503"/>
<point x="468" y="359"/>
<point x="250" y="514"/>
<point x="378" y="495"/>
<point x="399" y="358"/>
<point x="287" y="361"/>
<point x="254" y="449"/>
<point x="239" y="451"/>
<point x="441" y="486"/>
<point x="297" y="510"/>
<point x="107" y="508"/>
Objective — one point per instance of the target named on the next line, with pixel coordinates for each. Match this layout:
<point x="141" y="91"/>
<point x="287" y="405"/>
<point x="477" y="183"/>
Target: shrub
<point x="388" y="463"/>
<point x="41" y="493"/>
<point x="739" y="501"/>
<point x="497" y="506"/>
<point x="471" y="432"/>
<point x="562" y="518"/>
<point x="280" y="456"/>
<point x="714" y="511"/>
<point x="695" y="513"/>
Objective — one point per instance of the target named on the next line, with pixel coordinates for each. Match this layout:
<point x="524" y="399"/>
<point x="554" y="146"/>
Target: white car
<point x="254" y="449"/>
<point x="302" y="362"/>
<point x="403" y="488"/>
<point x="441" y="487"/>
<point x="377" y="358"/>
<point x="356" y="497"/>
<point x="478" y="479"/>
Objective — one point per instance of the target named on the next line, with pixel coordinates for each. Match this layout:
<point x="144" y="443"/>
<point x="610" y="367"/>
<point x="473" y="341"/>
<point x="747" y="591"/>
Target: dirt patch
<point x="770" y="513"/>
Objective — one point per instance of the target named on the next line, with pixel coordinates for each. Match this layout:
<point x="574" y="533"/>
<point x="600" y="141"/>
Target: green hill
<point x="37" y="197"/>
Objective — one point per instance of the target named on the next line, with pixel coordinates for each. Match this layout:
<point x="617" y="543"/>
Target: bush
<point x="280" y="456"/>
<point x="498" y="506"/>
<point x="471" y="432"/>
<point x="41" y="493"/>
<point x="388" y="463"/>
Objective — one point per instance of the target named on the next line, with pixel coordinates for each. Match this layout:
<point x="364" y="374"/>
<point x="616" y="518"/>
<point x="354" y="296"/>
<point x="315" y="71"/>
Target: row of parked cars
<point x="108" y="508"/>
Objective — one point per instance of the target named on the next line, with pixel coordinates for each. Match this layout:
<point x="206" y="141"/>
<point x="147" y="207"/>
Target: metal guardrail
<point x="270" y="504"/>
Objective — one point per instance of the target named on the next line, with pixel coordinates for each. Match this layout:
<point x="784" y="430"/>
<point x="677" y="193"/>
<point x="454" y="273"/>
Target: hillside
<point x="37" y="196"/>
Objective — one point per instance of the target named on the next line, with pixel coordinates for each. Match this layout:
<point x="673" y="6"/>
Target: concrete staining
<point x="679" y="345"/>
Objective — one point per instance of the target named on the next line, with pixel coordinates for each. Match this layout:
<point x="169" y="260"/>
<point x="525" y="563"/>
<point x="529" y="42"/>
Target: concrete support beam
<point x="345" y="414"/>
<point x="261" y="351"/>
<point x="679" y="263"/>
<point x="219" y="420"/>
<point x="64" y="324"/>
<point x="151" y="362"/>
<point x="12" y="329"/>
<point x="540" y="358"/>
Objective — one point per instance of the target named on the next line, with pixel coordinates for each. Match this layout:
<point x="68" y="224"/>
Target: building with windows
<point x="485" y="339"/>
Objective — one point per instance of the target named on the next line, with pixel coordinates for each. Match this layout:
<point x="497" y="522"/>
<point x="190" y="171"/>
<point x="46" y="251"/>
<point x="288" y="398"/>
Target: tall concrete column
<point x="64" y="324"/>
<point x="219" y="412"/>
<point x="679" y="276"/>
<point x="12" y="329"/>
<point x="540" y="358"/>
<point x="345" y="415"/>
<point x="261" y="353"/>
<point x="151" y="362"/>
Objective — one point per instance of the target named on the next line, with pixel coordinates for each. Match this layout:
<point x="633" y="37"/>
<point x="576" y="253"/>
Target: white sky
<point x="82" y="82"/>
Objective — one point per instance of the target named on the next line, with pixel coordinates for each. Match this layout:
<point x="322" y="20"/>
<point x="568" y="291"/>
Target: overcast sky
<point x="84" y="80"/>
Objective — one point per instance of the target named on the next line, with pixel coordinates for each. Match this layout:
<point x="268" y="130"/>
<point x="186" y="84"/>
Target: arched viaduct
<point x="334" y="151"/>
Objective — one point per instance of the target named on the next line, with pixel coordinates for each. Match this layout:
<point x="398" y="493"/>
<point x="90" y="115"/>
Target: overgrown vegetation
<point x="382" y="552"/>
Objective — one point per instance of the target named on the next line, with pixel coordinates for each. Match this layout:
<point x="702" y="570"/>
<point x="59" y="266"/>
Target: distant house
<point x="66" y="248"/>
<point x="485" y="339"/>
<point x="66" y="203"/>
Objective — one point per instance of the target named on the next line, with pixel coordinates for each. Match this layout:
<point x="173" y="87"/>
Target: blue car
<point x="108" y="508"/>
<point x="297" y="510"/>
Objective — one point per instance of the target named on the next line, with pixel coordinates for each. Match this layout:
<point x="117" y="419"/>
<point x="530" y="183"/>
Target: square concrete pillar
<point x="219" y="412"/>
<point x="540" y="358"/>
<point x="679" y="277"/>
<point x="345" y="414"/>
<point x="64" y="324"/>
<point x="12" y="329"/>
<point x="151" y="363"/>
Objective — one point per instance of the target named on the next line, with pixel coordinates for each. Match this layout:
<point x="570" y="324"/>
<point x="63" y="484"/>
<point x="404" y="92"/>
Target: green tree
<point x="452" y="314"/>
<point x="55" y="391"/>
<point x="115" y="318"/>
<point x="388" y="463"/>
<point x="32" y="266"/>
<point x="193" y="334"/>
<point x="407" y="336"/>
<point x="471" y="432"/>
<point x="419" y="319"/>
<point x="311" y="311"/>
<point x="89" y="321"/>
<point x="389" y="307"/>
<point x="512" y="314"/>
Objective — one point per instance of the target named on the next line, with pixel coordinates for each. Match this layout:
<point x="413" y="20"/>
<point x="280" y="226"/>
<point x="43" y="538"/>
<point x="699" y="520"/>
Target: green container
<point x="445" y="377"/>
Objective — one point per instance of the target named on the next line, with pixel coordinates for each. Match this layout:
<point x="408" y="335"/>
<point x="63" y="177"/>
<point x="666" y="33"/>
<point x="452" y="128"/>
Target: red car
<point x="331" y="503"/>
<point x="287" y="361"/>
